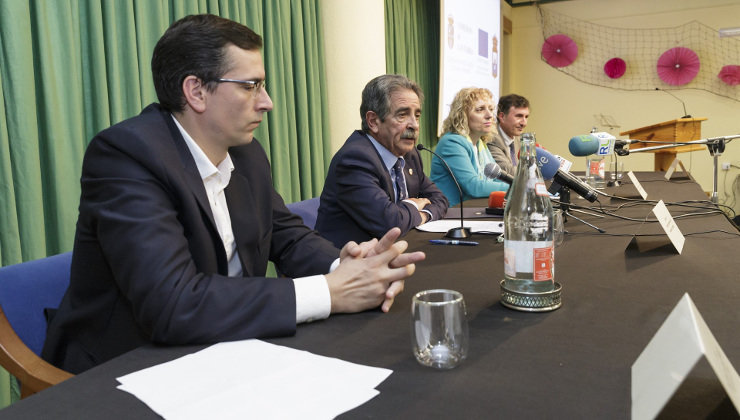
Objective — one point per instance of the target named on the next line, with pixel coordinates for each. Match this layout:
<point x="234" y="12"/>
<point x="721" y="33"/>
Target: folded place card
<point x="669" y="225"/>
<point x="671" y="169"/>
<point x="671" y="355"/>
<point x="637" y="185"/>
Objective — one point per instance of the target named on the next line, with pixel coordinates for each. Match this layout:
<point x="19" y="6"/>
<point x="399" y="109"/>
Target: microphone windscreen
<point x="496" y="199"/>
<point x="547" y="162"/>
<point x="492" y="170"/>
<point x="583" y="145"/>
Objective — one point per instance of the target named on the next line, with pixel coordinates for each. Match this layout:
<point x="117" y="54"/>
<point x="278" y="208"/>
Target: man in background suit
<point x="376" y="180"/>
<point x="178" y="218"/>
<point x="513" y="113"/>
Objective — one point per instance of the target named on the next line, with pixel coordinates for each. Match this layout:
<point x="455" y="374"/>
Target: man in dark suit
<point x="178" y="218"/>
<point x="376" y="180"/>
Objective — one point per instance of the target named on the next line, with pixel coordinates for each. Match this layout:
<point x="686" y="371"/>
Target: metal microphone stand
<point x="615" y="182"/>
<point x="565" y="208"/>
<point x="716" y="146"/>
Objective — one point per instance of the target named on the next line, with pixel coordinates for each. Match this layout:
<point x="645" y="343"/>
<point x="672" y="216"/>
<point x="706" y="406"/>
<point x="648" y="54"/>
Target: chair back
<point x="307" y="209"/>
<point x="26" y="289"/>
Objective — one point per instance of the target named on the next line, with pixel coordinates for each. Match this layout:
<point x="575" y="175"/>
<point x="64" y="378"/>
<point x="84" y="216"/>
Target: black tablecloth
<point x="574" y="362"/>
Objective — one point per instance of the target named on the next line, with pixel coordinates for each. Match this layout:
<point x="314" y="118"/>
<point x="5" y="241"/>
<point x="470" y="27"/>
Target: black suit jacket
<point x="149" y="265"/>
<point x="358" y="202"/>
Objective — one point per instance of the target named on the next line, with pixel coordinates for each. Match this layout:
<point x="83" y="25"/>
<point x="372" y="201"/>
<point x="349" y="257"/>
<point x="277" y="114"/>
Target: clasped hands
<point x="371" y="273"/>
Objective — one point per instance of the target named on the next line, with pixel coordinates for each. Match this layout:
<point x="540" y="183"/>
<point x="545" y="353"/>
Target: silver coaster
<point x="531" y="302"/>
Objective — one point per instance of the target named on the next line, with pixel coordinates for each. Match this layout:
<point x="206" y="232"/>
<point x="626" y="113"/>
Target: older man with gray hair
<point x="376" y="180"/>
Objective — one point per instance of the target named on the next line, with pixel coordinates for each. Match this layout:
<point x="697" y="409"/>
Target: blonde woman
<point x="469" y="125"/>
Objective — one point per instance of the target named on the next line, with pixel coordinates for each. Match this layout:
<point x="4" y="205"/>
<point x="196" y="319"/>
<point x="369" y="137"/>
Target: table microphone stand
<point x="615" y="182"/>
<point x="565" y="208"/>
<point x="461" y="232"/>
<point x="716" y="146"/>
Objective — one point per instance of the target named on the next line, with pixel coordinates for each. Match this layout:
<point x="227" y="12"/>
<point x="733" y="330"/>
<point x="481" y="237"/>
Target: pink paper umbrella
<point x="615" y="68"/>
<point x="730" y="75"/>
<point x="559" y="50"/>
<point x="678" y="66"/>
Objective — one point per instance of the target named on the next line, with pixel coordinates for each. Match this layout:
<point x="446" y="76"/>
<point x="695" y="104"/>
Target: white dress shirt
<point x="312" y="297"/>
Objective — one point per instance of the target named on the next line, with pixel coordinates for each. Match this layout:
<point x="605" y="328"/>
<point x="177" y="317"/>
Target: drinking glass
<point x="439" y="328"/>
<point x="558" y="229"/>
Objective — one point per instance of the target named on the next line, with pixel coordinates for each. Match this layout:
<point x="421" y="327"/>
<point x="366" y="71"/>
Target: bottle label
<point x="543" y="264"/>
<point x="596" y="167"/>
<point x="541" y="189"/>
<point x="535" y="257"/>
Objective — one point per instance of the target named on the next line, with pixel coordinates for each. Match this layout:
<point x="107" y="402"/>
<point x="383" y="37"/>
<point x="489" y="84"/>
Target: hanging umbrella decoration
<point x="730" y="75"/>
<point x="678" y="66"/>
<point x="559" y="50"/>
<point x="615" y="68"/>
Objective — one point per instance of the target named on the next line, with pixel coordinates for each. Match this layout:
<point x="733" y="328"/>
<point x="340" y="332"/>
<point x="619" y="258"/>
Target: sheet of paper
<point x="476" y="226"/>
<point x="253" y="379"/>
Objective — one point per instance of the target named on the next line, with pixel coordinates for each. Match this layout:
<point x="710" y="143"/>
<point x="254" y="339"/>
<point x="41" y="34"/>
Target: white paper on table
<point x="253" y="379"/>
<point x="482" y="226"/>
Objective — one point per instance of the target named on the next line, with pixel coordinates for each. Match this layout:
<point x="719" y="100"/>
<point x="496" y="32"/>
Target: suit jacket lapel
<point x="195" y="183"/>
<point x="240" y="200"/>
<point x="380" y="166"/>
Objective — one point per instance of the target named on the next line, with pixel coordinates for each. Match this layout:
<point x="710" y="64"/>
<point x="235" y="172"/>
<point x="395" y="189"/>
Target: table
<point x="570" y="363"/>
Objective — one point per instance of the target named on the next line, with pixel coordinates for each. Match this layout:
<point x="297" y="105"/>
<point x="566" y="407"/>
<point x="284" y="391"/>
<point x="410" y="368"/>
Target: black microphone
<point x="679" y="99"/>
<point x="568" y="180"/>
<point x="493" y="171"/>
<point x="462" y="231"/>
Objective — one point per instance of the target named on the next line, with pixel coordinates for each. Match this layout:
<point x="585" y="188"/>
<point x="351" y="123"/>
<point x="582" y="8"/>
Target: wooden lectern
<point x="679" y="130"/>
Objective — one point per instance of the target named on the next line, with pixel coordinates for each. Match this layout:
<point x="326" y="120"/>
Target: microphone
<point x="589" y="144"/>
<point x="547" y="162"/>
<point x="566" y="179"/>
<point x="496" y="203"/>
<point x="456" y="233"/>
<point x="686" y="114"/>
<point x="493" y="171"/>
<point x="583" y="145"/>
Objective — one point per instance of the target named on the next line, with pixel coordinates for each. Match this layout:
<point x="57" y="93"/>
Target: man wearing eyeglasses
<point x="178" y="219"/>
<point x="376" y="180"/>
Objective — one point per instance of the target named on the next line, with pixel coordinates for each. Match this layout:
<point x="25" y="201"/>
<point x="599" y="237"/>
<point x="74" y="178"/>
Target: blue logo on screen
<point x="482" y="43"/>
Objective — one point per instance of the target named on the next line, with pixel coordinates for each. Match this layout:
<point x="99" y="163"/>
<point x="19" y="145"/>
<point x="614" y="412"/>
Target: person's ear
<point x="373" y="121"/>
<point x="194" y="91"/>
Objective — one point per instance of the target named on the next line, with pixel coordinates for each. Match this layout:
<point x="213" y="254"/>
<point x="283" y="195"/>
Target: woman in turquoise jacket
<point x="467" y="128"/>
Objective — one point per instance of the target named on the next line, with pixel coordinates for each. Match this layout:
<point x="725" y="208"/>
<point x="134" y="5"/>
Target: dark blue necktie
<point x="513" y="153"/>
<point x="400" y="179"/>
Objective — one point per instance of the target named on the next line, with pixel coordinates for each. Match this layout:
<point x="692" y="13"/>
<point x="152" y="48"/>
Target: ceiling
<point x="519" y="3"/>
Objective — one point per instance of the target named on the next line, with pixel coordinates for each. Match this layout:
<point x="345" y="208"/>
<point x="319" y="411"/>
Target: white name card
<point x="672" y="168"/>
<point x="637" y="185"/>
<point x="670" y="356"/>
<point x="669" y="225"/>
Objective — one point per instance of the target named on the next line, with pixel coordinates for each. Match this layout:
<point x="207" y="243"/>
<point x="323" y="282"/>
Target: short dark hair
<point x="196" y="45"/>
<point x="376" y="96"/>
<point x="506" y="102"/>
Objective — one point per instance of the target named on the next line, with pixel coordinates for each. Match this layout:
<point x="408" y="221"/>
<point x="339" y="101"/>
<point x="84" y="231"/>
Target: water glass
<point x="558" y="229"/>
<point x="439" y="328"/>
<point x="616" y="170"/>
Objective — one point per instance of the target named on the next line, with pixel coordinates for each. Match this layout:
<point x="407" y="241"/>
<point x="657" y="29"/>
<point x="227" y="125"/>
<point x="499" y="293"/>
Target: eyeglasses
<point x="253" y="86"/>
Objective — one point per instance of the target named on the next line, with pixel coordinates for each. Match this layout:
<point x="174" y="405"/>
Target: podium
<point x="678" y="130"/>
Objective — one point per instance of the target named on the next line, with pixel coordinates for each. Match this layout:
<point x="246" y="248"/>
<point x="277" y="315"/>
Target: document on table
<point x="253" y="379"/>
<point x="476" y="226"/>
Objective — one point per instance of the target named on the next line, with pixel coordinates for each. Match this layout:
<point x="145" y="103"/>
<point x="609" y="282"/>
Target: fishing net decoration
<point x="716" y="64"/>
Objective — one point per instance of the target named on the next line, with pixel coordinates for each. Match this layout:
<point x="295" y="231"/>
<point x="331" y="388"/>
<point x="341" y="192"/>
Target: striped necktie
<point x="400" y="180"/>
